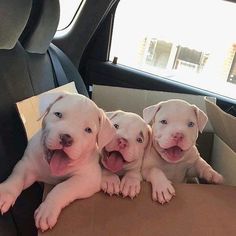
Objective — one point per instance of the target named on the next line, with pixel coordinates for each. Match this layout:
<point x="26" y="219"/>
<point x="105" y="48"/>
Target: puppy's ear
<point x="150" y="112"/>
<point x="112" y="114"/>
<point x="149" y="144"/>
<point x="147" y="149"/>
<point x="201" y="118"/>
<point x="47" y="100"/>
<point x="106" y="131"/>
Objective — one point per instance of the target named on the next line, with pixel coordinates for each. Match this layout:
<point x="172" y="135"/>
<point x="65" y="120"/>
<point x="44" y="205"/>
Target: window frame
<point x="72" y="18"/>
<point x="96" y="68"/>
<point x="215" y="94"/>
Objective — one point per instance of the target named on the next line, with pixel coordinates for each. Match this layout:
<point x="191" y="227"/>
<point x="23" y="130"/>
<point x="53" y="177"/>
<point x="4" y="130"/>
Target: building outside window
<point x="190" y="41"/>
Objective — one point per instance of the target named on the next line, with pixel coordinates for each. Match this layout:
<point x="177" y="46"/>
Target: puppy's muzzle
<point x="178" y="136"/>
<point x="122" y="143"/>
<point x="66" y="140"/>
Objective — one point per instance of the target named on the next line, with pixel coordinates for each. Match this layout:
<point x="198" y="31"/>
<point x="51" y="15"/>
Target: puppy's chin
<point x="113" y="160"/>
<point x="174" y="154"/>
<point x="58" y="161"/>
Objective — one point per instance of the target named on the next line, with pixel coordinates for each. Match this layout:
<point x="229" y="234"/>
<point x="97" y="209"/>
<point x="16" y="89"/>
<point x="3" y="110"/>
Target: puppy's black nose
<point x="66" y="140"/>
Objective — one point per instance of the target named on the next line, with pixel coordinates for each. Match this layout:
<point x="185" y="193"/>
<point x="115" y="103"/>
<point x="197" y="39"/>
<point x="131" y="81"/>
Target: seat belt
<point x="71" y="74"/>
<point x="60" y="75"/>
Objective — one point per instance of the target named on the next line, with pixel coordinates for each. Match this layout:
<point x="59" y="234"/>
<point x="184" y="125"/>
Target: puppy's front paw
<point x="46" y="216"/>
<point x="130" y="186"/>
<point x="162" y="191"/>
<point x="111" y="184"/>
<point x="7" y="198"/>
<point x="213" y="176"/>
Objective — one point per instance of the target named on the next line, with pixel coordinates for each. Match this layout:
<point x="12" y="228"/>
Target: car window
<point x="190" y="41"/>
<point x="68" y="10"/>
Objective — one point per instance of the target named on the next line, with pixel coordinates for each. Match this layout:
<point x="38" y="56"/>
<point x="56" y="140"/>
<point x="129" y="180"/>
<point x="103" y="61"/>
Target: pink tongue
<point x="59" y="162"/>
<point x="174" y="153"/>
<point x="114" y="162"/>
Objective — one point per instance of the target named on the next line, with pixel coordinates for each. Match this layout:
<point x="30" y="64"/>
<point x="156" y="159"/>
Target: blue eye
<point x="58" y="114"/>
<point x="164" y="122"/>
<point x="190" y="124"/>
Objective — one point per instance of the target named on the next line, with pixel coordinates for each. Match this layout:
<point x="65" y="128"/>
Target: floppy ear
<point x="149" y="144"/>
<point x="150" y="112"/>
<point x="106" y="131"/>
<point x="201" y="118"/>
<point x="112" y="114"/>
<point x="47" y="100"/>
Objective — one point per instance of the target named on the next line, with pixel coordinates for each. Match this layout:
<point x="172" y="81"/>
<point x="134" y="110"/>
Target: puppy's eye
<point x="88" y="130"/>
<point x="164" y="122"/>
<point x="139" y="140"/>
<point x="190" y="124"/>
<point x="58" y="114"/>
<point x="116" y="126"/>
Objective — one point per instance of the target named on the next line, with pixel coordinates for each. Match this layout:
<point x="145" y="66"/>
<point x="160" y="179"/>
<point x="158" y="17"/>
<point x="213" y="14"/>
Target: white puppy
<point x="64" y="152"/>
<point x="173" y="155"/>
<point x="124" y="154"/>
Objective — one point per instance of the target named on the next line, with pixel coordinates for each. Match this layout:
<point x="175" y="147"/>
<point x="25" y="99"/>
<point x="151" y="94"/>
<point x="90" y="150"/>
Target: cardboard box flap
<point x="198" y="209"/>
<point x="29" y="109"/>
<point x="224" y="124"/>
<point x="135" y="100"/>
<point x="224" y="161"/>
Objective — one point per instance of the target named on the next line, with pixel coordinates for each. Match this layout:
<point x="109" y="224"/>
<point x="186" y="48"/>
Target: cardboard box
<point x="217" y="143"/>
<point x="29" y="109"/>
<point x="197" y="209"/>
<point x="224" y="146"/>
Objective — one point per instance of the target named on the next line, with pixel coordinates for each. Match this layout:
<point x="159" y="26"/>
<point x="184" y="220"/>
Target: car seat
<point x="27" y="68"/>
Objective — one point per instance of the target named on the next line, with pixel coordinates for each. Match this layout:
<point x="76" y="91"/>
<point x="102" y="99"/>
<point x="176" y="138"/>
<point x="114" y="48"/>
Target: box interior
<point x="198" y="209"/>
<point x="221" y="155"/>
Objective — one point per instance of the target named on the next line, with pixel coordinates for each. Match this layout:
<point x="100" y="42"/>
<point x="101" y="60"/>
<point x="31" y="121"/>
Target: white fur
<point x="173" y="155"/>
<point x="81" y="176"/>
<point x="130" y="131"/>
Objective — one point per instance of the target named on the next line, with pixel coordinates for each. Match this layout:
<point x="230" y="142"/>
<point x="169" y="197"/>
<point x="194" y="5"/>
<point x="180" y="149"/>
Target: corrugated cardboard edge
<point x="224" y="124"/>
<point x="29" y="112"/>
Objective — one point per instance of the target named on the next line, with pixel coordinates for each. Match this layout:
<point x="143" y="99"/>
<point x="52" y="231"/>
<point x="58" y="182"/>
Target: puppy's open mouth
<point x="174" y="153"/>
<point x="58" y="160"/>
<point x="113" y="161"/>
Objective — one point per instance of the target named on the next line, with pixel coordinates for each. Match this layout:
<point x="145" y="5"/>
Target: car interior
<point x="36" y="57"/>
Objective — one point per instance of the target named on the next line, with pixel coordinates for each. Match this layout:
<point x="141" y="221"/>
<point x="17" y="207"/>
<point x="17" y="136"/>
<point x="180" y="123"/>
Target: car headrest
<point x="41" y="26"/>
<point x="14" y="15"/>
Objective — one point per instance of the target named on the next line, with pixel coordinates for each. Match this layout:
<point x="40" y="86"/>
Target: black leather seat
<point x="26" y="69"/>
<point x="36" y="39"/>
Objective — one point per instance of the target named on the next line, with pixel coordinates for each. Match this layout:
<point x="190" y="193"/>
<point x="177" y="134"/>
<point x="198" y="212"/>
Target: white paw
<point x="7" y="198"/>
<point x="130" y="186"/>
<point x="213" y="176"/>
<point x="111" y="184"/>
<point x="46" y="216"/>
<point x="163" y="192"/>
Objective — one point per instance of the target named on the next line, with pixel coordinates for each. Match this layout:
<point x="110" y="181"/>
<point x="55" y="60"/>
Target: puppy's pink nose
<point x="66" y="140"/>
<point x="122" y="143"/>
<point x="178" y="136"/>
